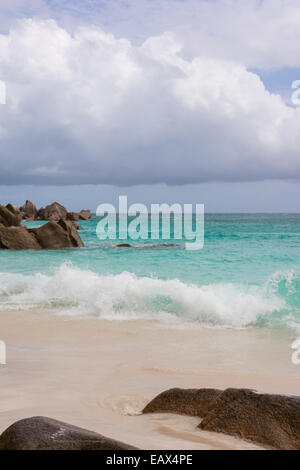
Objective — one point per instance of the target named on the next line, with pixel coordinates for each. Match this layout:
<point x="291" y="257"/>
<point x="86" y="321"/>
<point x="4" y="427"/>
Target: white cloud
<point x="96" y="109"/>
<point x="256" y="33"/>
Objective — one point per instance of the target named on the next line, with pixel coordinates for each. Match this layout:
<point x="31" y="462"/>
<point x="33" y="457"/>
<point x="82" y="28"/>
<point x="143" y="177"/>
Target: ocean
<point x="247" y="275"/>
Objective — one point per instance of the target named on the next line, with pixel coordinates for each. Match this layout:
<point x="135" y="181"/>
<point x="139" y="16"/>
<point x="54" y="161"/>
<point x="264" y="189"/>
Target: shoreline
<point x="99" y="374"/>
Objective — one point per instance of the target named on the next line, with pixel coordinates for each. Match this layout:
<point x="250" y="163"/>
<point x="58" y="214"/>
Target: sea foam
<point x="73" y="291"/>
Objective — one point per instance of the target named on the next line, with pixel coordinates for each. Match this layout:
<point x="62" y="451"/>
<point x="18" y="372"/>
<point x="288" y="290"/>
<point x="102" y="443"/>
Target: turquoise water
<point x="247" y="274"/>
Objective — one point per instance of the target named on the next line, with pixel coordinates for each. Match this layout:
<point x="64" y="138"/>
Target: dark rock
<point x="17" y="238"/>
<point x="272" y="420"/>
<point x="40" y="433"/>
<point x="50" y="236"/>
<point x="8" y="218"/>
<point x="29" y="211"/>
<point x="14" y="209"/>
<point x="69" y="226"/>
<point x="57" y="235"/>
<point x="54" y="211"/>
<point x="123" y="245"/>
<point x="73" y="216"/>
<point x="76" y="225"/>
<point x="85" y="215"/>
<point x="192" y="402"/>
<point x="82" y="215"/>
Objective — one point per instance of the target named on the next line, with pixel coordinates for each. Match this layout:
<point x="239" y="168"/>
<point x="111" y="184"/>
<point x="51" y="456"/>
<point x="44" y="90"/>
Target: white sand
<point x="99" y="374"/>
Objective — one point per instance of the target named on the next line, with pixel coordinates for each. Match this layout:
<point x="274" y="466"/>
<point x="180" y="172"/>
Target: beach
<point x="99" y="374"/>
<point x="94" y="333"/>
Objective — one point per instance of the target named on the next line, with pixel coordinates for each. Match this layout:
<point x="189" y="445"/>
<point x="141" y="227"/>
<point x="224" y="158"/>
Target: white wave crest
<point x="70" y="290"/>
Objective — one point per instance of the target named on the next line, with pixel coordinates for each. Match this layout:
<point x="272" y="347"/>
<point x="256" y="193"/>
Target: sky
<point x="181" y="100"/>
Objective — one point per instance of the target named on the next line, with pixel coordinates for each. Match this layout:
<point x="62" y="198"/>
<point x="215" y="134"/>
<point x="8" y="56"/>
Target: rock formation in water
<point x="8" y="218"/>
<point x="54" y="211"/>
<point x="85" y="214"/>
<point x="14" y="209"/>
<point x="17" y="238"/>
<point x="28" y="211"/>
<point x="57" y="235"/>
<point x="53" y="235"/>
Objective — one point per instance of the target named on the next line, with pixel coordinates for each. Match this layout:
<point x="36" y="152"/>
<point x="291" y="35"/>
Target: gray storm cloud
<point x="87" y="107"/>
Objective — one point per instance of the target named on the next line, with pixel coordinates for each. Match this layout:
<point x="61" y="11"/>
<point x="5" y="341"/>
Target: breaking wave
<point x="73" y="291"/>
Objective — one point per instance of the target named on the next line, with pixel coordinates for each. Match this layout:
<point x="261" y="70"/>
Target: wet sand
<point x="98" y="374"/>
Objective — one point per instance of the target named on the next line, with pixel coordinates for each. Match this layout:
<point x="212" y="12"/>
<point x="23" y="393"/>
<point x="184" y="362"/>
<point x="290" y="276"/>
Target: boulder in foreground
<point x="191" y="402"/>
<point x="270" y="420"/>
<point x="40" y="433"/>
